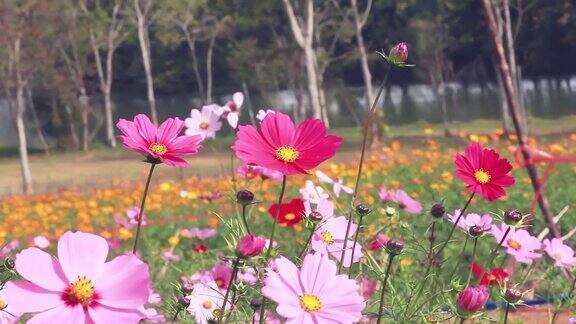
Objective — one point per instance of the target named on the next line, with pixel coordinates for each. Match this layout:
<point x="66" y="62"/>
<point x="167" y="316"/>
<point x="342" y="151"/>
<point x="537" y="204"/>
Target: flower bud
<point x="255" y="303"/>
<point x="362" y="209"/>
<point x="399" y="53"/>
<point x="475" y="231"/>
<point x="378" y="243"/>
<point x="184" y="301"/>
<point x="513" y="295"/>
<point x="244" y="197"/>
<point x="394" y="246"/>
<point x="315" y="216"/>
<point x="9" y="263"/>
<point x="187" y="289"/>
<point x="471" y="300"/>
<point x="250" y="245"/>
<point x="512" y="217"/>
<point x="437" y="210"/>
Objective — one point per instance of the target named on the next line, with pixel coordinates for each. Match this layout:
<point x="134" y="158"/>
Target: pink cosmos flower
<point x="231" y="110"/>
<point x="469" y="220"/>
<point x="151" y="314"/>
<point x="400" y="197"/>
<point x="484" y="172"/>
<point x="281" y="146"/>
<point x="132" y="218"/>
<point x="251" y="245"/>
<point x="41" y="242"/>
<point x="315" y="293"/>
<point x="8" y="248"/>
<point x="378" y="242"/>
<point x="7" y="314"/>
<point x="329" y="239"/>
<point x="337" y="186"/>
<point x="313" y="193"/>
<point x="204" y="300"/>
<point x="158" y="144"/>
<point x="79" y="286"/>
<point x="170" y="256"/>
<point x="325" y="207"/>
<point x="518" y="243"/>
<point x="367" y="287"/>
<point x="560" y="252"/>
<point x="205" y="123"/>
<point x="248" y="172"/>
<point x="220" y="274"/>
<point x="247" y="275"/>
<point x="199" y="233"/>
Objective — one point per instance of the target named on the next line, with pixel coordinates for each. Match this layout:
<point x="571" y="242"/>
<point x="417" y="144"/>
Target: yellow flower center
<point x="482" y="176"/>
<point x="219" y="282"/>
<point x="327" y="237"/>
<point x="557" y="256"/>
<point x="207" y="304"/>
<point x="82" y="290"/>
<point x="514" y="244"/>
<point x="204" y="125"/>
<point x="158" y="148"/>
<point x="3" y="304"/>
<point x="286" y="154"/>
<point x="290" y="216"/>
<point x="310" y="303"/>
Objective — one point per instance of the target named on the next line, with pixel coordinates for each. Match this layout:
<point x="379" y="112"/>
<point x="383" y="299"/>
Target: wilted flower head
<point x="158" y="144"/>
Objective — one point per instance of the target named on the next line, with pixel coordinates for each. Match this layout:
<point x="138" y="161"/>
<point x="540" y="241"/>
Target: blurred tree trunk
<point x="506" y="122"/>
<point x="20" y="109"/>
<point x="143" y="27"/>
<point x="191" y="41"/>
<point x="209" y="56"/>
<point x="359" y="23"/>
<point x="304" y="39"/>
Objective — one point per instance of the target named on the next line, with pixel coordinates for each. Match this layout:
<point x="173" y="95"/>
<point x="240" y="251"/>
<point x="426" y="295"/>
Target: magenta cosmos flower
<point x="79" y="286"/>
<point x="158" y="144"/>
<point x="484" y="172"/>
<point x="518" y="243"/>
<point x="471" y="300"/>
<point x="281" y="146"/>
<point x="315" y="293"/>
<point x="470" y="220"/>
<point x="560" y="252"/>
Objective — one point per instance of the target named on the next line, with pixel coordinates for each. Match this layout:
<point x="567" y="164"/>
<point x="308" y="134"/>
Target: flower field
<point x="191" y="228"/>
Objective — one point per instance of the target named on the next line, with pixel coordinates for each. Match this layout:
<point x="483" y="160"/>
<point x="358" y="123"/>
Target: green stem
<point x="244" y="219"/>
<point x="367" y="125"/>
<point x="454" y="225"/>
<point x="506" y="314"/>
<point x="432" y="238"/>
<point x="354" y="245"/>
<point x="462" y="319"/>
<point x="382" y="294"/>
<point x="176" y="314"/>
<point x="458" y="260"/>
<point x="232" y="277"/>
<point x="473" y="260"/>
<point x="307" y="241"/>
<point x="141" y="211"/>
<point x="271" y="238"/>
<point x="494" y="252"/>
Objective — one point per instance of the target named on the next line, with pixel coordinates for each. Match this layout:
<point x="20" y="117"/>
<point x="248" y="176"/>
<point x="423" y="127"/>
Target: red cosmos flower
<point x="494" y="276"/>
<point x="291" y="213"/>
<point x="484" y="172"/>
<point x="281" y="146"/>
<point x="159" y="144"/>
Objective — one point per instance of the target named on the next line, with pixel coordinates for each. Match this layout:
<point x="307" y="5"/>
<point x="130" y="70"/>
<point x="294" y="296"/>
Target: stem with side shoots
<point x="141" y="211"/>
<point x="367" y="125"/>
<point x="454" y="225"/>
<point x="473" y="260"/>
<point x="232" y="277"/>
<point x="381" y="307"/>
<point x="307" y="241"/>
<point x="271" y="239"/>
<point x="494" y="252"/>
<point x="354" y="245"/>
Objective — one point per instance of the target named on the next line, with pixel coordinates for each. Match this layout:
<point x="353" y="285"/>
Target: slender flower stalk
<point x="494" y="252"/>
<point x="142" y="205"/>
<point x="271" y="240"/>
<point x="455" y="224"/>
<point x="383" y="291"/>
<point x="458" y="259"/>
<point x="367" y="125"/>
<point x="305" y="248"/>
<point x="362" y="210"/>
<point x="506" y="313"/>
<point x="244" y="221"/>
<point x="473" y="260"/>
<point x="431" y="238"/>
<point x="232" y="278"/>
